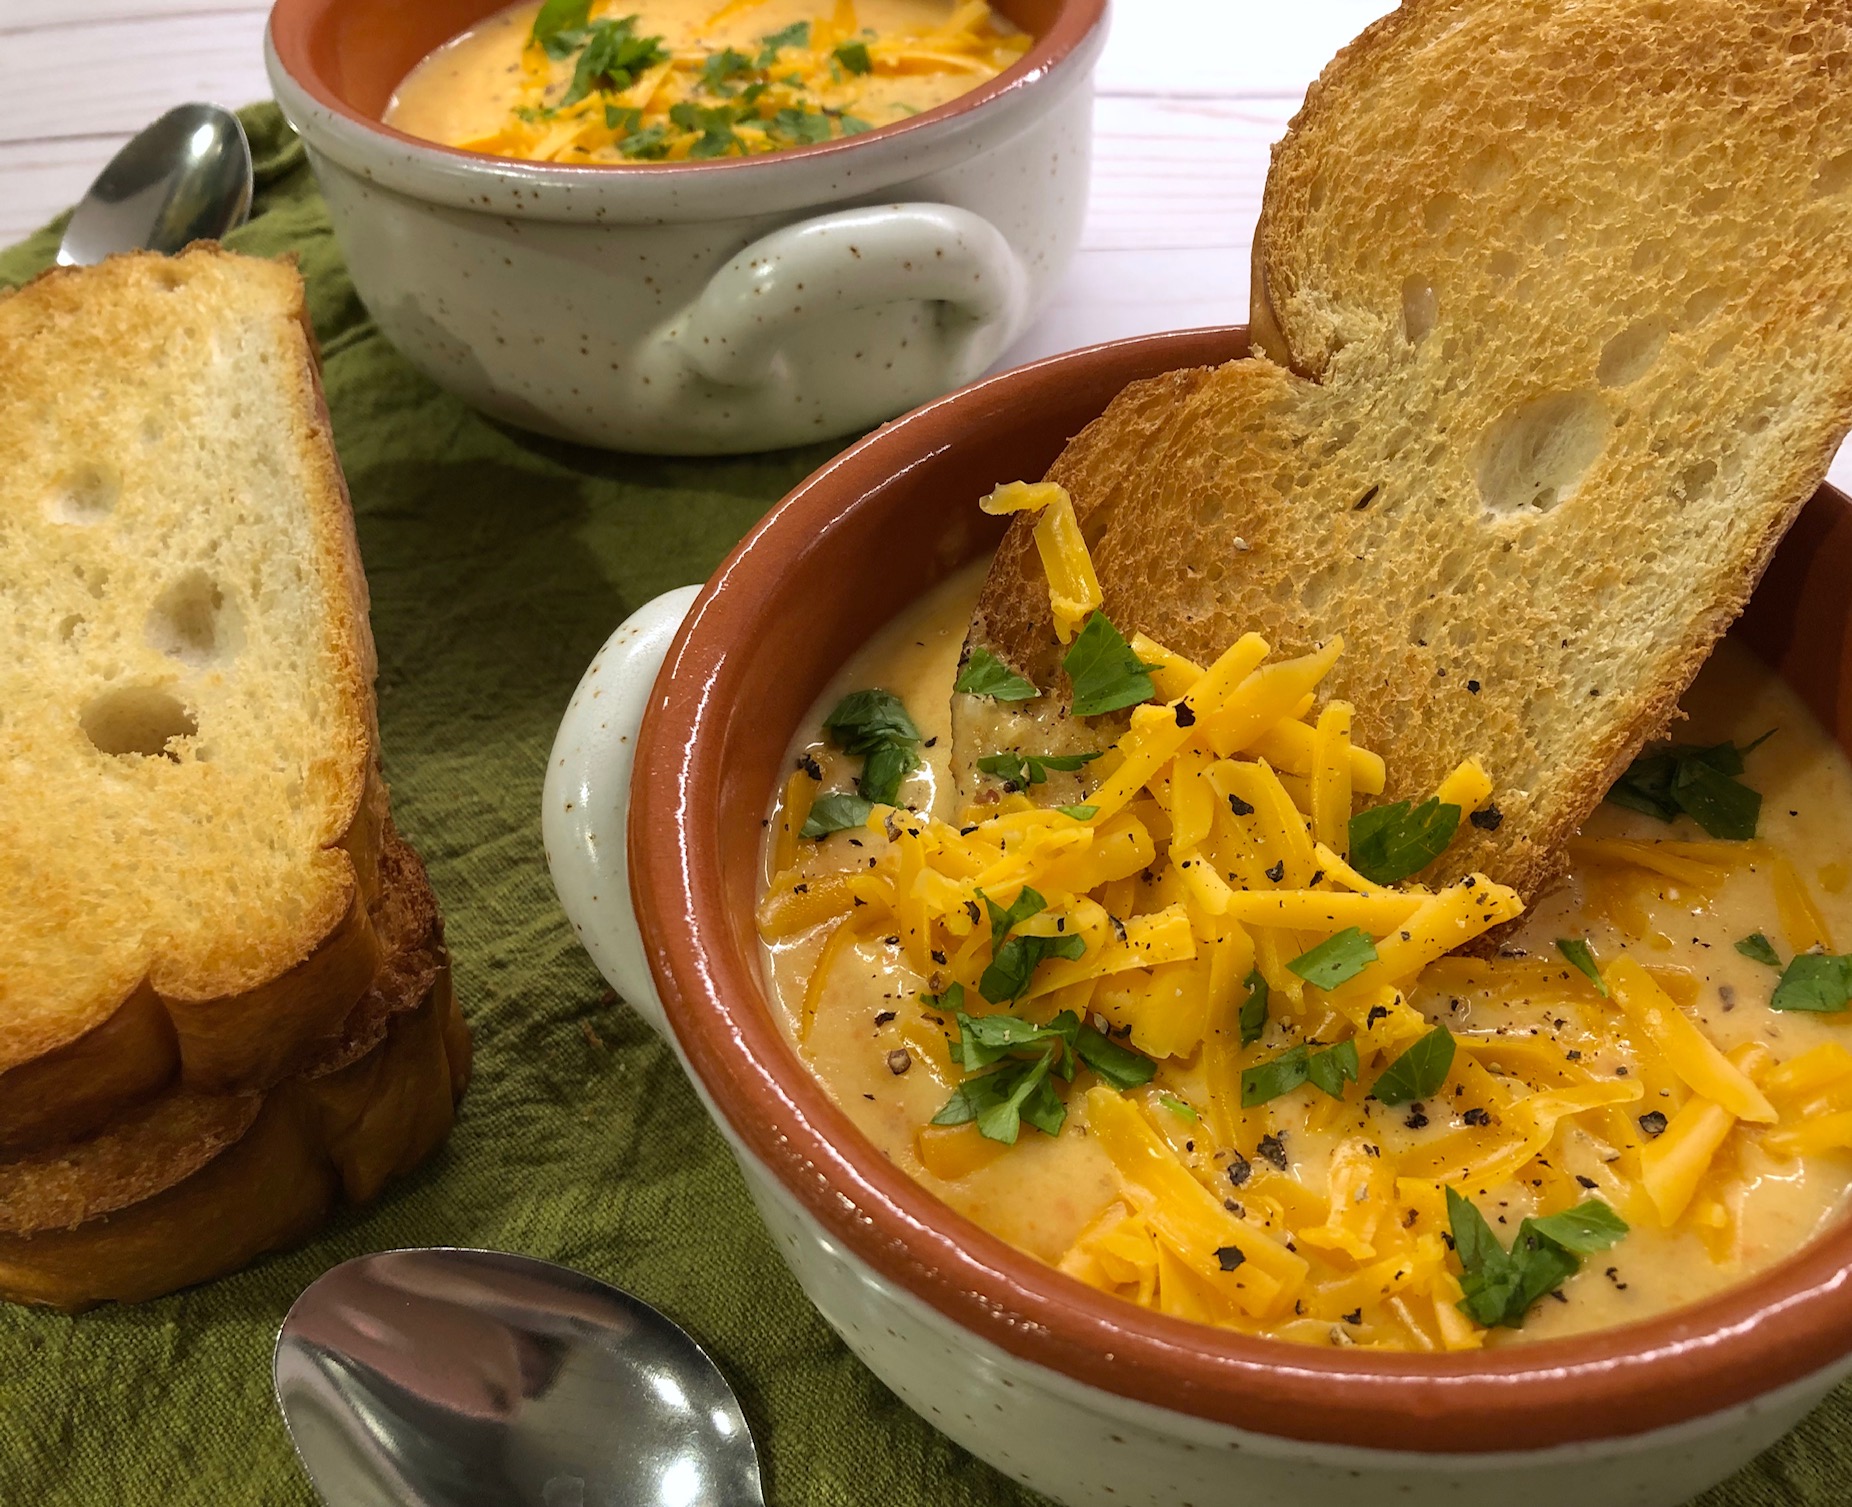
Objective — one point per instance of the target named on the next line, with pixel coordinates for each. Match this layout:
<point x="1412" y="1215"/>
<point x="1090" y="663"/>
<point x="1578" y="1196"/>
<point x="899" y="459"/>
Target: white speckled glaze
<point x="1083" y="1446"/>
<point x="800" y="297"/>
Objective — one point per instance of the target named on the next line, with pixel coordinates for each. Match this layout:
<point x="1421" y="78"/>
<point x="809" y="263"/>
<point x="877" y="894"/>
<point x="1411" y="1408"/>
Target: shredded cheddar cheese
<point x="1205" y="907"/>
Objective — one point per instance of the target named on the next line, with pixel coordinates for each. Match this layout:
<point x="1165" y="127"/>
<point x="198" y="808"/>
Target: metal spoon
<point x="185" y="178"/>
<point x="451" y="1378"/>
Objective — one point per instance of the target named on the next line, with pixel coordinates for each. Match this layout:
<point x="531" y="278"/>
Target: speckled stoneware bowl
<point x="1089" y="1399"/>
<point x="697" y="308"/>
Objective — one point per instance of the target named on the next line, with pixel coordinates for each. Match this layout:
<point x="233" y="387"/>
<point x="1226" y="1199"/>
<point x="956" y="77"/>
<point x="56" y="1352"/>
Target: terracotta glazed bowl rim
<point x="1779" y="1328"/>
<point x="292" y="22"/>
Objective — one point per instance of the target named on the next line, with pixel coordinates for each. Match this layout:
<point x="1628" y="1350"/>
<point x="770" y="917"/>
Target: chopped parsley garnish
<point x="1020" y="771"/>
<point x="613" y="58"/>
<point x="1079" y="813"/>
<point x="1178" y="1108"/>
<point x="1419" y="1072"/>
<point x="1501" y="1285"/>
<point x="854" y="57"/>
<point x="986" y="675"/>
<point x="1015" y="958"/>
<point x="1758" y="949"/>
<point x="714" y="122"/>
<point x="853" y="125"/>
<point x="1700" y="782"/>
<point x="797" y="34"/>
<point x="1104" y="672"/>
<point x="1253" y="1016"/>
<point x="1012" y="1087"/>
<point x="1328" y="1070"/>
<point x="1003" y="1098"/>
<point x="1336" y="959"/>
<point x="799" y="127"/>
<point x="1577" y="951"/>
<point x="651" y="144"/>
<point x="875" y="725"/>
<point x="835" y="813"/>
<point x="1390" y="843"/>
<point x="721" y="68"/>
<point x="1814" y="981"/>
<point x="560" y="19"/>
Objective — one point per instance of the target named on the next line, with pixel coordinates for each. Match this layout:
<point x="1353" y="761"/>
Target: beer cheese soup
<point x="1173" y="1011"/>
<point x="585" y="81"/>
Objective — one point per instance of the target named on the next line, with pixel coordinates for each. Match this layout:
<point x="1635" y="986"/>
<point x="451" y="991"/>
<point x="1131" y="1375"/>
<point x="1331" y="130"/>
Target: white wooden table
<point x="1180" y="152"/>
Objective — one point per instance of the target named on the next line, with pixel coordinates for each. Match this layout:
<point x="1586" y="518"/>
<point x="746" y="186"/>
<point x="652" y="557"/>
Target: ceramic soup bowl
<point x="698" y="307"/>
<point x="1089" y="1399"/>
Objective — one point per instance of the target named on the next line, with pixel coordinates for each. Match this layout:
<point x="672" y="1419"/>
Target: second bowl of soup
<point x="697" y="229"/>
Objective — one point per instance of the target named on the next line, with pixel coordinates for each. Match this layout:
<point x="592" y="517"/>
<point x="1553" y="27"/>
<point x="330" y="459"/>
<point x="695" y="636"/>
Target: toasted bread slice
<point x="1556" y="297"/>
<point x="189" y="813"/>
<point x="188" y="1185"/>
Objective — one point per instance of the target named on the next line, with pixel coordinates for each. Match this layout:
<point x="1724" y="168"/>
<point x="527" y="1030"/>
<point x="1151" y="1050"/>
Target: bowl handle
<point x="585" y="810"/>
<point x="858" y="259"/>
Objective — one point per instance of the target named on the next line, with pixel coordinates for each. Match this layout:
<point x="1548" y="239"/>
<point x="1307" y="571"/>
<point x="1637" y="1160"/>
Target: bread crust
<point x="1531" y="527"/>
<point x="189" y="1186"/>
<point x="238" y="1017"/>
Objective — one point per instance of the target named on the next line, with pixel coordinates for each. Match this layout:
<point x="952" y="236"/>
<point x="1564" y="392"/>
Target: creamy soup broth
<point x="883" y="1057"/>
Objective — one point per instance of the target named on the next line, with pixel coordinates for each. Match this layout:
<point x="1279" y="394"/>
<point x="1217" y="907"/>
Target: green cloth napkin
<point x="499" y="563"/>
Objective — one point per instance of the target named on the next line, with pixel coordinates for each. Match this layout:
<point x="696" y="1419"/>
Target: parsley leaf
<point x="558" y="16"/>
<point x="1587" y="1228"/>
<point x="1500" y="1285"/>
<point x="1015" y="959"/>
<point x="1326" y="1070"/>
<point x="1336" y="959"/>
<point x="834" y="813"/>
<point x="875" y="725"/>
<point x="1013" y="963"/>
<point x="715" y="123"/>
<point x="1020" y="771"/>
<point x="1178" y="1108"/>
<point x="1020" y="1088"/>
<point x="853" y="125"/>
<point x="1814" y="981"/>
<point x="613" y="57"/>
<point x="1003" y="1098"/>
<point x="800" y="127"/>
<point x="720" y="68"/>
<point x="1700" y="782"/>
<point x="1079" y="813"/>
<point x="1419" y="1072"/>
<point x="986" y="675"/>
<point x="854" y="57"/>
<point x="1331" y="1070"/>
<point x="1002" y="921"/>
<point x="1254" y="1009"/>
<point x="651" y="144"/>
<point x="797" y="34"/>
<point x="1758" y="949"/>
<point x="1119" y="1066"/>
<point x="1577" y="951"/>
<point x="1104" y="672"/>
<point x="1390" y="843"/>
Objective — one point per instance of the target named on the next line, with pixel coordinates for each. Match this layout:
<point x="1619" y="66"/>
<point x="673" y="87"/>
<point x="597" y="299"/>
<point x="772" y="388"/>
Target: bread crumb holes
<point x="84" y="495"/>
<point x="192" y="621"/>
<point x="139" y="721"/>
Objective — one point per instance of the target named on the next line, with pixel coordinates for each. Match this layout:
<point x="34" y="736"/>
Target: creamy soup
<point x="1296" y="1167"/>
<point x="671" y="80"/>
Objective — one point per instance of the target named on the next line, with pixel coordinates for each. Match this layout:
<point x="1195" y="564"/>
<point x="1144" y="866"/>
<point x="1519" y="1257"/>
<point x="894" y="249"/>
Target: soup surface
<point x="1291" y="1157"/>
<point x="673" y="80"/>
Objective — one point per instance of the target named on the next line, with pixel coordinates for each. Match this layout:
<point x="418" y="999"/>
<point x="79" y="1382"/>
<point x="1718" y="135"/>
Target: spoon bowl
<point x="185" y="178"/>
<point x="458" y="1378"/>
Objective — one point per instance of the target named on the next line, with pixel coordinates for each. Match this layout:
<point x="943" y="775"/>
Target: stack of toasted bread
<point x="225" y="1002"/>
